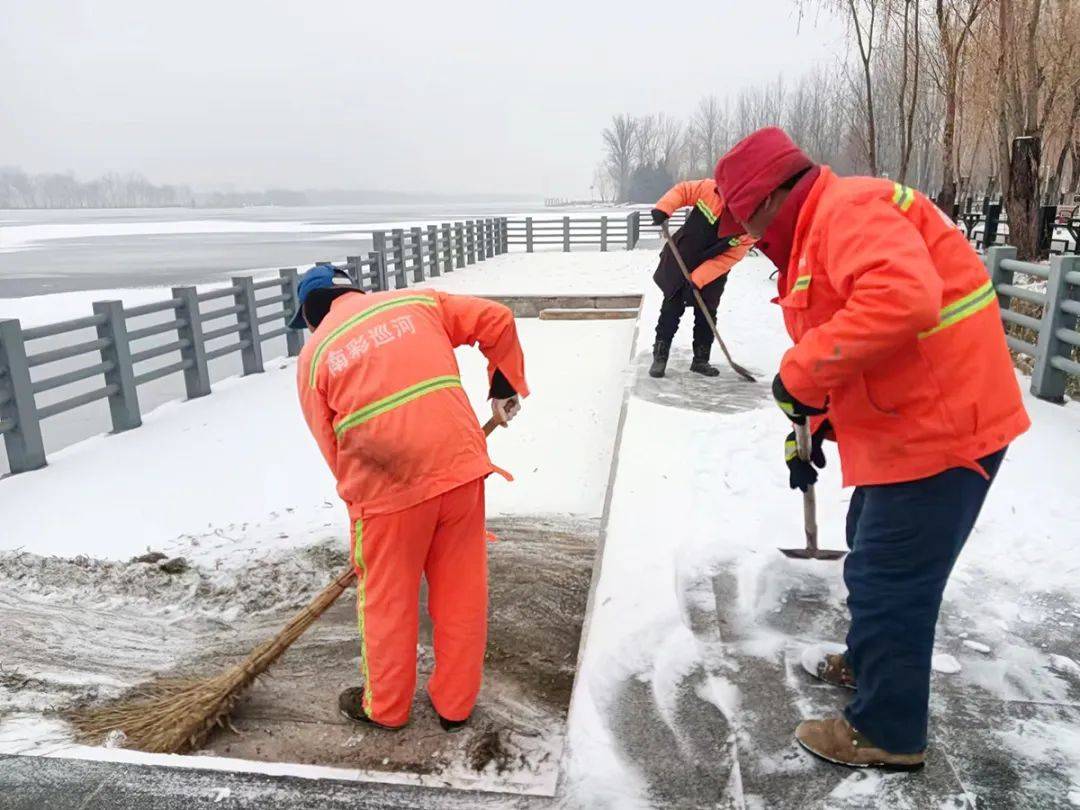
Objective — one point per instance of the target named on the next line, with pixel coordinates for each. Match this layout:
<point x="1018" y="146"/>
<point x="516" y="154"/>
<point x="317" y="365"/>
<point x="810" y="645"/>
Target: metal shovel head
<point x="813" y="553"/>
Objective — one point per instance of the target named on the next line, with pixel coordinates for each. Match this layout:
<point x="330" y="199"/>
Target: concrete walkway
<point x="691" y="683"/>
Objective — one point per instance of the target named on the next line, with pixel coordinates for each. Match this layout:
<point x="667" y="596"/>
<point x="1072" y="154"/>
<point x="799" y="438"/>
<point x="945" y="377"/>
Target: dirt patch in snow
<point x="84" y="630"/>
<point x="167" y="584"/>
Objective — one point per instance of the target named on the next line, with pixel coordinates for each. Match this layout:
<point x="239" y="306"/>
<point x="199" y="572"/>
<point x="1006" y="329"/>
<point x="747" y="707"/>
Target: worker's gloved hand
<point x="793" y="409"/>
<point x="659" y="217"/>
<point x="801" y="474"/>
<point x="503" y="410"/>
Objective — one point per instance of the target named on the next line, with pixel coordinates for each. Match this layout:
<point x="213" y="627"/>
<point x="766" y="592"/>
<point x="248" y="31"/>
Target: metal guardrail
<point x="207" y="325"/>
<point x="118" y="356"/>
<point x="1057" y="329"/>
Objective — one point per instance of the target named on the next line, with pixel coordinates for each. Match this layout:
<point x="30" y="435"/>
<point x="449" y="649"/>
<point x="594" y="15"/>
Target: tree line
<point x="21" y="190"/>
<point x="954" y="97"/>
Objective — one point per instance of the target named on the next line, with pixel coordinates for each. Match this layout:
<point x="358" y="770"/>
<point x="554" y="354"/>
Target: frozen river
<point x="59" y="251"/>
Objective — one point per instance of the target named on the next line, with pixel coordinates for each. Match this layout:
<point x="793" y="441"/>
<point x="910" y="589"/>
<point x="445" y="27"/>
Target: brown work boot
<point x="351" y="706"/>
<point x="837" y="741"/>
<point x="831" y="667"/>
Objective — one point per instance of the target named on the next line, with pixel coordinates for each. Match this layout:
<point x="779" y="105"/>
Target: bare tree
<point x="864" y="16"/>
<point x="671" y="142"/>
<point x="708" y="128"/>
<point x="955" y="19"/>
<point x="1038" y="42"/>
<point x="620" y="144"/>
<point x="911" y="49"/>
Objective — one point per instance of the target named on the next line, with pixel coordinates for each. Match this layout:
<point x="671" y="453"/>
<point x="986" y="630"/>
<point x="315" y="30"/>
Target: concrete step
<point x="587" y="314"/>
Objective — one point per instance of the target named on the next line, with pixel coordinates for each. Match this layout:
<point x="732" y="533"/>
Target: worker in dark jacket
<point x="709" y="255"/>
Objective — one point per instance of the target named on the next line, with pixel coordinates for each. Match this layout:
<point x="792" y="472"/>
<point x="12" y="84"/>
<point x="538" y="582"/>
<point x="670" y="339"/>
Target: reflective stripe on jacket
<point x="896" y="323"/>
<point x="380" y="389"/>
<point x="708" y="254"/>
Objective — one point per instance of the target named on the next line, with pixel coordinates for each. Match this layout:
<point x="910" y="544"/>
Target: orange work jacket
<point x="380" y="389"/>
<point x="896" y="323"/>
<point x="708" y="253"/>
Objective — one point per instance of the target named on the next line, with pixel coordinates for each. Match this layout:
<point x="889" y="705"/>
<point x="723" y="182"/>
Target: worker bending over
<point x="380" y="390"/>
<point x="710" y="252"/>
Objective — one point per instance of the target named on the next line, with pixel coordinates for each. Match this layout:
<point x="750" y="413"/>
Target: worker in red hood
<point x="900" y="354"/>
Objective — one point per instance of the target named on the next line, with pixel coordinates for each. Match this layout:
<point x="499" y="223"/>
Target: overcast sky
<point x="463" y="96"/>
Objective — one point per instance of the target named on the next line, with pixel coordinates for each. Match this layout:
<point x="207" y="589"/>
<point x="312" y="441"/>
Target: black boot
<point x="351" y="706"/>
<point x="700" y="365"/>
<point x="450" y="726"/>
<point x="660" y="352"/>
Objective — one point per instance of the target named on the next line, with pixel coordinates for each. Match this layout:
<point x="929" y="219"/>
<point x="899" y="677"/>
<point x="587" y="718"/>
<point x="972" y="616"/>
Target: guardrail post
<point x="447" y="257"/>
<point x="381" y="282"/>
<point x="417" y="237"/>
<point x="354" y="269"/>
<point x="397" y="241"/>
<point x="248" y="318"/>
<point x="990" y="226"/>
<point x="459" y="244"/>
<point x="25" y="448"/>
<point x="294" y="339"/>
<point x="470" y="241"/>
<point x="998" y="275"/>
<point x="603" y="232"/>
<point x="566" y="234"/>
<point x="124" y="404"/>
<point x="528" y="234"/>
<point x="197" y="374"/>
<point x="505" y="232"/>
<point x="481" y="240"/>
<point x="1048" y="382"/>
<point x="633" y="229"/>
<point x="433" y="249"/>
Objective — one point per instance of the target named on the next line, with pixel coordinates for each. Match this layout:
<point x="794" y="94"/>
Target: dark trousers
<point x="672" y="309"/>
<point x="904" y="539"/>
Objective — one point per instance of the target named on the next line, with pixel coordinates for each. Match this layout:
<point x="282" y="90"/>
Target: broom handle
<point x="742" y="372"/>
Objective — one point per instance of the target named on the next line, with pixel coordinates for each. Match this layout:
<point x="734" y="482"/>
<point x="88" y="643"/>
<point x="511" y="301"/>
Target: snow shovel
<point x="811" y="552"/>
<point x="742" y="372"/>
<point x="174" y="715"/>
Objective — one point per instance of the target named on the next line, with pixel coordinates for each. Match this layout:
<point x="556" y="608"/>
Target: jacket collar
<point x="807" y="211"/>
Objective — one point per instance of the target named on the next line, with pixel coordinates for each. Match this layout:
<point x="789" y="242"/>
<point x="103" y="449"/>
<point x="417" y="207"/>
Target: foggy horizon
<point x="483" y="99"/>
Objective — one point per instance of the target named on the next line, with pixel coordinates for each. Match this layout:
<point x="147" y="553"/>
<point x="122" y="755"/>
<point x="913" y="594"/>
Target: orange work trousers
<point x="444" y="539"/>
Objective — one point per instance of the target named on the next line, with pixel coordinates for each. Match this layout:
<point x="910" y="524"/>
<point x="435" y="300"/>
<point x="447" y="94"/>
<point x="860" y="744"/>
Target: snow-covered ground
<point x="243" y="456"/>
<point x="689" y="684"/>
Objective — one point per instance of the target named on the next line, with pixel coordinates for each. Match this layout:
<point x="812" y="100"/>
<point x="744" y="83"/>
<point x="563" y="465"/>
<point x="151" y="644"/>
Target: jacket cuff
<point x="800" y="384"/>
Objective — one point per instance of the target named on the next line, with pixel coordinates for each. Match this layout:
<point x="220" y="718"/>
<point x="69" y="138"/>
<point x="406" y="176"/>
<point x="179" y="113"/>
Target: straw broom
<point x="176" y="715"/>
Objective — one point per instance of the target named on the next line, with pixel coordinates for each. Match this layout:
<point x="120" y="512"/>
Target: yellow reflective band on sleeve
<point x="355" y="320"/>
<point x="709" y="215"/>
<point x="361" y="605"/>
<point x="801" y="283"/>
<point x="396" y="400"/>
<point x="964" y="308"/>
<point x="791" y="450"/>
<point x="734" y="241"/>
<point x="902" y="197"/>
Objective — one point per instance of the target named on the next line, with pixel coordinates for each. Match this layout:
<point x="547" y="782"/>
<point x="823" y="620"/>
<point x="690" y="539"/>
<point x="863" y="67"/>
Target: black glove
<point x="801" y="474"/>
<point x="793" y="409"/>
<point x="660" y="217"/>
